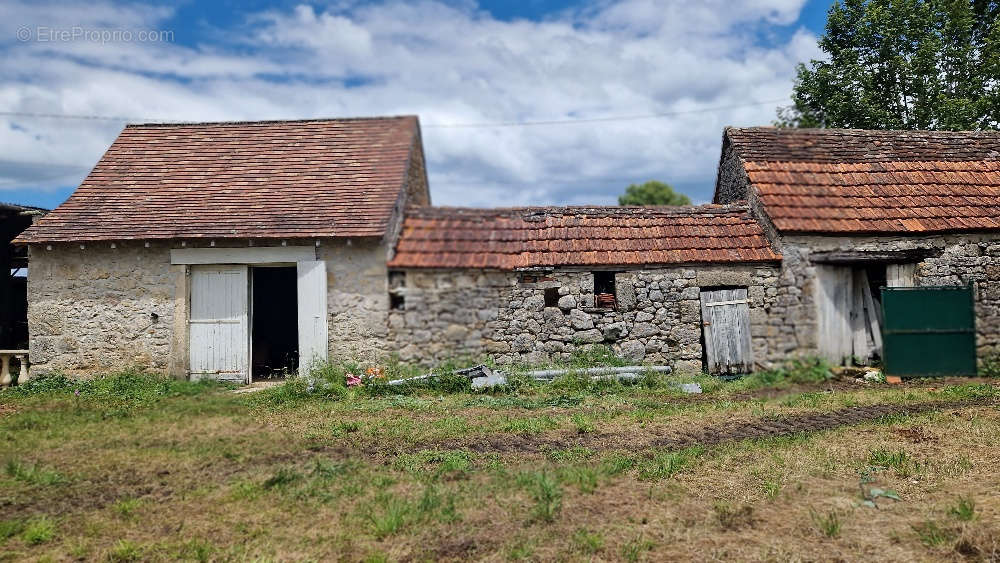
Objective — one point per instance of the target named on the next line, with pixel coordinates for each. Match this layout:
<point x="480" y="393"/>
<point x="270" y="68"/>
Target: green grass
<point x="38" y="531"/>
<point x="547" y="494"/>
<point x="964" y="510"/>
<point x="143" y="468"/>
<point x="665" y="464"/>
<point x="33" y="474"/>
<point x="933" y="534"/>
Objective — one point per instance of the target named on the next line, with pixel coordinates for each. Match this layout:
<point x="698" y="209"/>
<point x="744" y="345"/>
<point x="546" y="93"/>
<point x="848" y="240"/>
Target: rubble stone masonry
<point x="658" y="318"/>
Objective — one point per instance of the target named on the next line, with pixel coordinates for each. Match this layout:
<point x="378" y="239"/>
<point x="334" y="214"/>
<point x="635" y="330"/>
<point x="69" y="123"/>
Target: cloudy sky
<point x="527" y="102"/>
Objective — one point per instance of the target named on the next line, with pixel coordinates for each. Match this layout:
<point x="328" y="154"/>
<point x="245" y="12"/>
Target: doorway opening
<point x="274" y="332"/>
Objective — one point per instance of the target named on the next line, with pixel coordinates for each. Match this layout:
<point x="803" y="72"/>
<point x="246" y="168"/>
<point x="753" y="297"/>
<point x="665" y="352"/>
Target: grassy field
<point x="779" y="466"/>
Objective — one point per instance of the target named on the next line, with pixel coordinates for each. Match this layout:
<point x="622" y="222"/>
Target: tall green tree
<point x="903" y="64"/>
<point x="652" y="193"/>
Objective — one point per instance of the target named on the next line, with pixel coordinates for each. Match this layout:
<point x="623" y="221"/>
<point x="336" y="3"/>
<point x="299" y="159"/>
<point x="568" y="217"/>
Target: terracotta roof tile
<point x="275" y="179"/>
<point x="538" y="237"/>
<point x="854" y="181"/>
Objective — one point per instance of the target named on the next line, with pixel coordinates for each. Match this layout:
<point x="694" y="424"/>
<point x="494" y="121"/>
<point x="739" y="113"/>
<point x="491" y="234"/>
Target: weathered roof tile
<point x="268" y="179"/>
<point x="538" y="237"/>
<point x="856" y="181"/>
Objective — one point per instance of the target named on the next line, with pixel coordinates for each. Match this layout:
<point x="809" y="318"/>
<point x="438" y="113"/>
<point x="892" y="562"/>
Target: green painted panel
<point x="928" y="331"/>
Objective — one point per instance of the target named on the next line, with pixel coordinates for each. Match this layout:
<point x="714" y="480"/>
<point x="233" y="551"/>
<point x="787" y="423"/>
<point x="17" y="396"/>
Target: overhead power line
<point x="570" y="121"/>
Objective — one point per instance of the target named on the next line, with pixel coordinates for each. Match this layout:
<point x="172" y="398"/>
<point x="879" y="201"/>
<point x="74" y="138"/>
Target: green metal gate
<point x="928" y="331"/>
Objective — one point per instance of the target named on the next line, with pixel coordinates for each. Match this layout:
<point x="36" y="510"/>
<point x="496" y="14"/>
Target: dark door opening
<point x="274" y="322"/>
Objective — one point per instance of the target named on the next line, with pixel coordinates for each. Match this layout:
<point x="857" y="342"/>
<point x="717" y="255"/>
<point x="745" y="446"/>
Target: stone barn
<point x="680" y="286"/>
<point x="225" y="250"/>
<point x="240" y="251"/>
<point x="852" y="211"/>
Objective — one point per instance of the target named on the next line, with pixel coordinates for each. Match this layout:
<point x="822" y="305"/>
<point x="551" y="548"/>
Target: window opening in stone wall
<point x="397" y="286"/>
<point x="604" y="290"/>
<point x="551" y="296"/>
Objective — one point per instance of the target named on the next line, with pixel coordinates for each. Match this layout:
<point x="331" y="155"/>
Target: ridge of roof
<point x="269" y="121"/>
<point x="579" y="210"/>
<point x="849" y="146"/>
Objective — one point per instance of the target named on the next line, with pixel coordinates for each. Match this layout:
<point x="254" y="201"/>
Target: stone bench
<point x="5" y="376"/>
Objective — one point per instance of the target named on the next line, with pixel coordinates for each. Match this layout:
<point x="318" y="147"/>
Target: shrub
<point x="798" y="370"/>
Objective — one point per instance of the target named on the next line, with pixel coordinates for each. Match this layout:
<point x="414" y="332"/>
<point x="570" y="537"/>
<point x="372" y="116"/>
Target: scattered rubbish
<point x="893" y="379"/>
<point x="482" y="377"/>
<point x="874" y="375"/>
<point x="550" y="374"/>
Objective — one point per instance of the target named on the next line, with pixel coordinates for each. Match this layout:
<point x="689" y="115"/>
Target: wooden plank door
<point x="834" y="299"/>
<point x="725" y="316"/>
<point x="314" y="341"/>
<point x="219" y="335"/>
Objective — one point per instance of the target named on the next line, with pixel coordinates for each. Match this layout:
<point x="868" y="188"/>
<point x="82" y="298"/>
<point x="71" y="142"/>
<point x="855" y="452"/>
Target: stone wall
<point x="461" y="312"/>
<point x="357" y="298"/>
<point x="954" y="260"/>
<point x="448" y="313"/>
<point x="91" y="309"/>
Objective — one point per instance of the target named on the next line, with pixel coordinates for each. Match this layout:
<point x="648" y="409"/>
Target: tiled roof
<point x="853" y="181"/>
<point x="537" y="237"/>
<point x="267" y="179"/>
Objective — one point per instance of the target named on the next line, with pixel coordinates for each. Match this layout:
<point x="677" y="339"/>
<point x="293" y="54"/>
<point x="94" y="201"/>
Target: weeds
<point x="588" y="542"/>
<point x="33" y="474"/>
<point x="126" y="507"/>
<point x="898" y="460"/>
<point x="633" y="549"/>
<point x="125" y="551"/>
<point x="828" y="524"/>
<point x="665" y="465"/>
<point x="38" y="531"/>
<point x="390" y="515"/>
<point x="547" y="494"/>
<point x="585" y="478"/>
<point x="733" y="518"/>
<point x="281" y="478"/>
<point x="932" y="534"/>
<point x="799" y="370"/>
<point x="583" y="423"/>
<point x="964" y="510"/>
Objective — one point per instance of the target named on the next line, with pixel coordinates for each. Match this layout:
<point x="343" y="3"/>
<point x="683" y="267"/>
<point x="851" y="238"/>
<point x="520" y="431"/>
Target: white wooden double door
<point x="219" y="322"/>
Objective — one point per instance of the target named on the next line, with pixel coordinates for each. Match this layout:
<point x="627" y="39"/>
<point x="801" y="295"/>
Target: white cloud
<point x="449" y="64"/>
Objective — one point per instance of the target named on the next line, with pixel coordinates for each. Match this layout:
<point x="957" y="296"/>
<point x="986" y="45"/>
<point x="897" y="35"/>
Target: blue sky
<point x="705" y="64"/>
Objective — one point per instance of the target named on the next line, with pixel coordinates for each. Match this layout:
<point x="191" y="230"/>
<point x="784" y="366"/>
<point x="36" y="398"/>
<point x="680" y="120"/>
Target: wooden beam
<point x="861" y="256"/>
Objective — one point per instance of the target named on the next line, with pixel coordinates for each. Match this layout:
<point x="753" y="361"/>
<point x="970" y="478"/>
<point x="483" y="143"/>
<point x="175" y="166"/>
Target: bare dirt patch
<point x="706" y="436"/>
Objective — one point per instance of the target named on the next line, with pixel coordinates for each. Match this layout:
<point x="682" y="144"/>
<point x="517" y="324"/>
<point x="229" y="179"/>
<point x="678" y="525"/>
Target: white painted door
<point x="834" y="296"/>
<point x="219" y="337"/>
<point x="725" y="316"/>
<point x="313" y="339"/>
